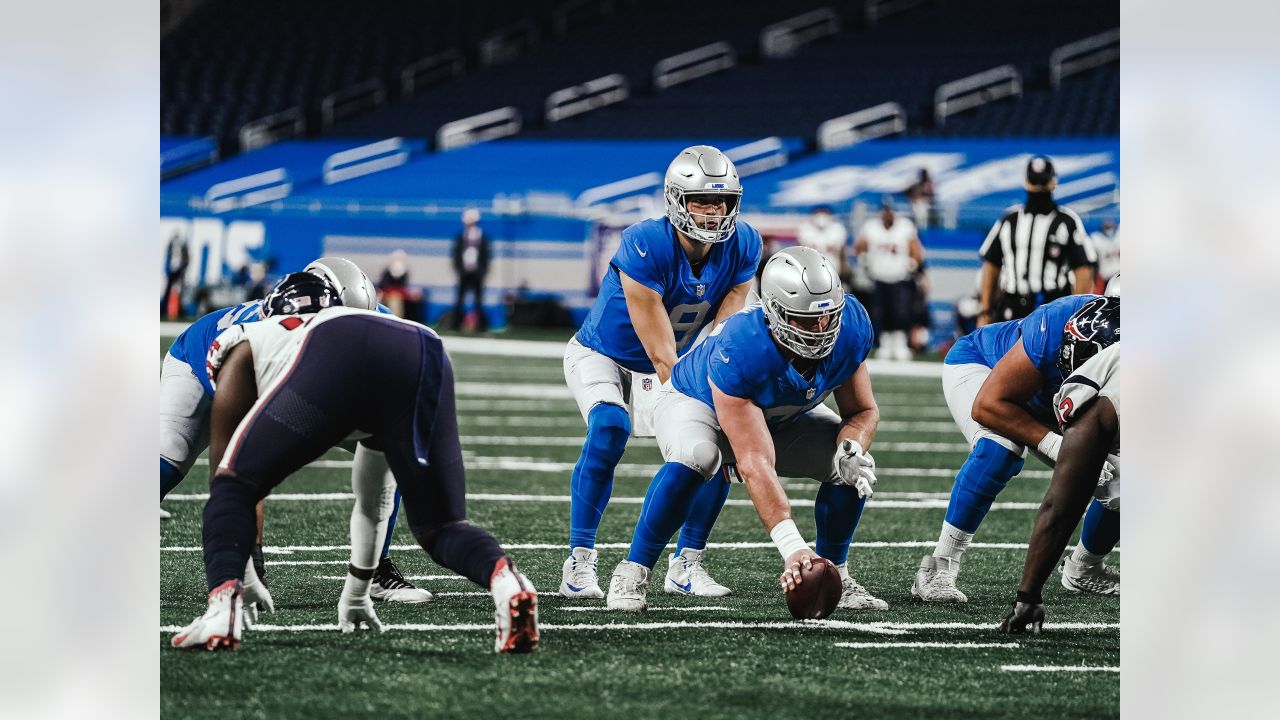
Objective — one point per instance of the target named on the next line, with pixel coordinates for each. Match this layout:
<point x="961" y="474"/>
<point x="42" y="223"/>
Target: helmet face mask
<point x="298" y="294"/>
<point x="702" y="173"/>
<point x="353" y="286"/>
<point x="1094" y="327"/>
<point x="803" y="302"/>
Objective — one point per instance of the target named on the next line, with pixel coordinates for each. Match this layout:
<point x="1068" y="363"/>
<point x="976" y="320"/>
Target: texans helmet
<point x="1094" y="326"/>
<point x="300" y="293"/>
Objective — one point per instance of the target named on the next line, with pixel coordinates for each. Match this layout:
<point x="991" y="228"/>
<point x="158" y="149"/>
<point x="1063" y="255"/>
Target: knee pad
<point x="608" y="427"/>
<point x="703" y="458"/>
<point x="991" y="465"/>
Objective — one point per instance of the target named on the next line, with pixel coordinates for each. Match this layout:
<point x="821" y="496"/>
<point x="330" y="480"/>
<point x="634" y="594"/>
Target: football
<point x="817" y="595"/>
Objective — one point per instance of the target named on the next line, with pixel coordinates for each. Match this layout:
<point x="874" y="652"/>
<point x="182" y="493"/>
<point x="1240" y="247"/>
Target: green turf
<point x="636" y="673"/>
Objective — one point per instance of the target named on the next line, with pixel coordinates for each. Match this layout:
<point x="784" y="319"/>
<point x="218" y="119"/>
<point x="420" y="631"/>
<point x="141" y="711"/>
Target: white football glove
<point x="353" y="612"/>
<point x="854" y="466"/>
<point x="1108" y="490"/>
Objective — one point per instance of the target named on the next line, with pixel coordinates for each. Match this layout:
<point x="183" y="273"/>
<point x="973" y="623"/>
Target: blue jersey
<point x="650" y="254"/>
<point x="1041" y="336"/>
<point x="192" y="346"/>
<point x="742" y="360"/>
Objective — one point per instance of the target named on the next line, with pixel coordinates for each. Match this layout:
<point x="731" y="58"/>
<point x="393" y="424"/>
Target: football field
<point x="740" y="656"/>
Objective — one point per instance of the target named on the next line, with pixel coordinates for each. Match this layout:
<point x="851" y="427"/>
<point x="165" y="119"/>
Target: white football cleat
<point x="221" y="625"/>
<point x="854" y="596"/>
<point x="1100" y="579"/>
<point x="687" y="576"/>
<point x="936" y="581"/>
<point x="516" y="609"/>
<point x="578" y="575"/>
<point x="628" y="587"/>
<point x="165" y="514"/>
<point x="390" y="586"/>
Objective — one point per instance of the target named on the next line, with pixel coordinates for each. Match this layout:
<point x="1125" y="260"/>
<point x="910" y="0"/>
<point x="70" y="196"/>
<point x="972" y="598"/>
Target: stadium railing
<point x="974" y="90"/>
<point x="691" y="65"/>
<point x="1082" y="55"/>
<point x="503" y="122"/>
<point x="879" y="121"/>
<point x="586" y="97"/>
<point x="277" y="126"/>
<point x="784" y="38"/>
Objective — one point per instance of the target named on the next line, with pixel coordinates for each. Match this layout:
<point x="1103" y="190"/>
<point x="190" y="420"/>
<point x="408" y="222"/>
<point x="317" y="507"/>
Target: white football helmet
<point x="702" y="170"/>
<point x="1113" y="286"/>
<point x="803" y="301"/>
<point x="354" y="287"/>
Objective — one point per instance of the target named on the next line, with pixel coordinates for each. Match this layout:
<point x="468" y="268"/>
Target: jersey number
<point x="686" y="320"/>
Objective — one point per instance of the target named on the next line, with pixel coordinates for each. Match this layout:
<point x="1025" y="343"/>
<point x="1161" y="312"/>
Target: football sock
<point x="465" y="549"/>
<point x="608" y="427"/>
<point x="666" y="505"/>
<point x="702" y="516"/>
<point x="952" y="542"/>
<point x="229" y="525"/>
<point x="376" y="501"/>
<point x="983" y="475"/>
<point x="170" y="476"/>
<point x="391" y="525"/>
<point x="1100" y="533"/>
<point x="837" y="511"/>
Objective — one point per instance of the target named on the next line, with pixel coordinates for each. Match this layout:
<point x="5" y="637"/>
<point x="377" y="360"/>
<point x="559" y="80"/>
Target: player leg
<point x="373" y="524"/>
<point x="433" y="485"/>
<point x="688" y="437"/>
<point x="1085" y="570"/>
<point x="992" y="462"/>
<point x="805" y="448"/>
<point x="596" y="383"/>
<point x="184" y="423"/>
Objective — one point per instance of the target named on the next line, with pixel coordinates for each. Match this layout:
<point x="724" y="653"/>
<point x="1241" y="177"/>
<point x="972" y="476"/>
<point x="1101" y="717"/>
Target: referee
<point x="1030" y="253"/>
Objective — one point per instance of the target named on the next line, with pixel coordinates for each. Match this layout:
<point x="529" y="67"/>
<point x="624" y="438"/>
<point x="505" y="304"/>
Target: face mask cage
<point x="686" y="222"/>
<point x="810" y="344"/>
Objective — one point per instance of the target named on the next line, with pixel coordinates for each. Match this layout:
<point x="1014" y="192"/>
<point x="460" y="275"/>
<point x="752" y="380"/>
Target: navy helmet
<point x="1096" y="325"/>
<point x="300" y="293"/>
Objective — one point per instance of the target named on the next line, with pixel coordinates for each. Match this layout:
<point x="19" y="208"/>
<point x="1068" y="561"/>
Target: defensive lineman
<point x="291" y="389"/>
<point x="999" y="382"/>
<point x="1088" y="407"/>
<point x="753" y="390"/>
<point x="669" y="279"/>
<point x="186" y="396"/>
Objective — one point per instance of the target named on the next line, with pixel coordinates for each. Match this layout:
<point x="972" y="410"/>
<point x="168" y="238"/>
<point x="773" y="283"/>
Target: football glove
<point x="353" y="612"/>
<point x="1108" y="490"/>
<point x="1023" y="618"/>
<point x="855" y="467"/>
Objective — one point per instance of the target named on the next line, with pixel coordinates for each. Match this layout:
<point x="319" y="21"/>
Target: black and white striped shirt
<point x="1035" y="249"/>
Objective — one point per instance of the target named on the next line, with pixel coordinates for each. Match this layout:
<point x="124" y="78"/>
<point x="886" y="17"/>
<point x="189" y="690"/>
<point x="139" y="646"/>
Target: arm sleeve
<point x="746" y="269"/>
<point x="992" y="250"/>
<point x="641" y="262"/>
<point x="1080" y="250"/>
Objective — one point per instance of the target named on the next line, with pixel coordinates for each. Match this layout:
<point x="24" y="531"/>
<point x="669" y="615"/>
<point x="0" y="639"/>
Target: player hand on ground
<point x="353" y="612"/>
<point x="800" y="559"/>
<point x="854" y="466"/>
<point x="1024" y="618"/>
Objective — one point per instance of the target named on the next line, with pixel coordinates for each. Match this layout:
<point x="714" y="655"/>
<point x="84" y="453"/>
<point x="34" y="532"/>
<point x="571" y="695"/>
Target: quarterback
<point x="669" y="279"/>
<point x="752" y="393"/>
<point x="999" y="382"/>
<point x="294" y="385"/>
<point x="186" y="396"/>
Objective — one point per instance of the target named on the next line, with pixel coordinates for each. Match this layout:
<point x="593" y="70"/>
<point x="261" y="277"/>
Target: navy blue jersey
<point x="742" y="360"/>
<point x="192" y="346"/>
<point x="1041" y="336"/>
<point x="650" y="254"/>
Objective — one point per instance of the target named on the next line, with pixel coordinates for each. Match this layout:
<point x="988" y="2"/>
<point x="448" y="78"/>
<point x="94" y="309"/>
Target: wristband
<point x="1050" y="445"/>
<point x="787" y="538"/>
<point x="1030" y="598"/>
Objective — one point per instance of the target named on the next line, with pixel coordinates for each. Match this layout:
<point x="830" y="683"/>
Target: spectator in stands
<point x="471" y="263"/>
<point x="1107" y="243"/>
<point x="177" y="259"/>
<point x="393" y="284"/>
<point x="920" y="195"/>
<point x="890" y="249"/>
<point x="1036" y="253"/>
<point x="824" y="233"/>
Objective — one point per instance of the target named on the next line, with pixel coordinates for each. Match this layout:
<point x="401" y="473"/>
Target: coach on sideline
<point x="1029" y="252"/>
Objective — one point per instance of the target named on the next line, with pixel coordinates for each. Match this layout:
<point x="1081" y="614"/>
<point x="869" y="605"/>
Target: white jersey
<point x="1108" y="249"/>
<point x="1098" y="377"/>
<point x="828" y="239"/>
<point x="275" y="342"/>
<point x="888" y="256"/>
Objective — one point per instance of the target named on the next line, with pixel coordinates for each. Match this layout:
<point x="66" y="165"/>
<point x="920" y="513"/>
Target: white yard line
<point x="544" y="421"/>
<point x="874" y="628"/>
<point x="601" y="608"/>
<point x="889" y="645"/>
<point x="925" y="504"/>
<point x="873" y="545"/>
<point x="1059" y="668"/>
<point x="573" y="441"/>
<point x="538" y="391"/>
